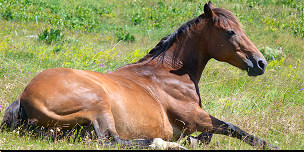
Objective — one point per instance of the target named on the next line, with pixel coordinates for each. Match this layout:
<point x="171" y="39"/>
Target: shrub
<point x="8" y="14"/>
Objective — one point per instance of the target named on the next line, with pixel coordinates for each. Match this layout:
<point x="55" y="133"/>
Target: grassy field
<point x="100" y="35"/>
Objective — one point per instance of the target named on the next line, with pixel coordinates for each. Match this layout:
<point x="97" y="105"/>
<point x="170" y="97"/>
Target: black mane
<point x="167" y="41"/>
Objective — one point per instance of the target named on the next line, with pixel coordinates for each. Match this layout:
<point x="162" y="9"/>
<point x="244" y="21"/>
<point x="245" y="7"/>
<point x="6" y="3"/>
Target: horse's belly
<point x="130" y="126"/>
<point x="140" y="117"/>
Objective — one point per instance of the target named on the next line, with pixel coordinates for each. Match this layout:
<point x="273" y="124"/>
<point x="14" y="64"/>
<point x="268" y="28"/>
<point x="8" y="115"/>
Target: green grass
<point x="104" y="35"/>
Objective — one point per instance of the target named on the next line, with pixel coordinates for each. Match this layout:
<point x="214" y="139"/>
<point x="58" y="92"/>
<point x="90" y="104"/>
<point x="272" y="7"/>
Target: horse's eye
<point x="230" y="32"/>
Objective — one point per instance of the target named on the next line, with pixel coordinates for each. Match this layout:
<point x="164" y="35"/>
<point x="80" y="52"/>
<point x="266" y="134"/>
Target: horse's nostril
<point x="261" y="64"/>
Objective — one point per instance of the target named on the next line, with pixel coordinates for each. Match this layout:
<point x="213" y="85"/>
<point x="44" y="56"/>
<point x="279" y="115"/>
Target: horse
<point x="151" y="102"/>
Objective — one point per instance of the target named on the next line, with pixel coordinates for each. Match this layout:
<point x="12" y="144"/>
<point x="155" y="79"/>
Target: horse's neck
<point x="191" y="59"/>
<point x="186" y="56"/>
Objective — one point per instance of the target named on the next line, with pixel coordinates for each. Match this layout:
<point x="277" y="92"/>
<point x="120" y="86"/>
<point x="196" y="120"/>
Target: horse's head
<point x="227" y="42"/>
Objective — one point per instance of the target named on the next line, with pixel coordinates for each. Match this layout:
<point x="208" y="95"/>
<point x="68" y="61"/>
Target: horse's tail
<point x="14" y="116"/>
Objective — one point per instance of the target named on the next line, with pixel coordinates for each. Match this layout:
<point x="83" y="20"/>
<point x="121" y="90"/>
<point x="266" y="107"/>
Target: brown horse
<point x="156" y="97"/>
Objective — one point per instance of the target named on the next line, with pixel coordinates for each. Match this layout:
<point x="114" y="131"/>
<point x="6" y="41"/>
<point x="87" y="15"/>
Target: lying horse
<point x="154" y="98"/>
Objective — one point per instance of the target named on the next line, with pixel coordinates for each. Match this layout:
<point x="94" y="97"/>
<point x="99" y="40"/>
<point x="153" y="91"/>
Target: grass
<point x="104" y="35"/>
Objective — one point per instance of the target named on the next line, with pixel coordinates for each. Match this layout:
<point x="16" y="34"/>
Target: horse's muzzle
<point x="256" y="67"/>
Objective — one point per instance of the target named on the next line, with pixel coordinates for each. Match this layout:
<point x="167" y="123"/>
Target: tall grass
<point x="104" y="35"/>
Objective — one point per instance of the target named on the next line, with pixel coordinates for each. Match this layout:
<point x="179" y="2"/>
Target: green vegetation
<point x="48" y="36"/>
<point x="104" y="35"/>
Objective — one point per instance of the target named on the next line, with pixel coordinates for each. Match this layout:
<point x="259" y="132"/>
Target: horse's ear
<point x="211" y="5"/>
<point x="208" y="10"/>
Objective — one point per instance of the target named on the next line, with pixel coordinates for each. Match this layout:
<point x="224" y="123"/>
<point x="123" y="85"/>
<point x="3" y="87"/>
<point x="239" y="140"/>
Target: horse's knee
<point x="205" y="138"/>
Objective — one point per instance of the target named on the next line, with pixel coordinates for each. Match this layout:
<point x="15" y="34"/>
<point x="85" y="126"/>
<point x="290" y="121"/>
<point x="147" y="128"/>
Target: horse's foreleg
<point x="211" y="124"/>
